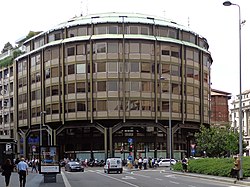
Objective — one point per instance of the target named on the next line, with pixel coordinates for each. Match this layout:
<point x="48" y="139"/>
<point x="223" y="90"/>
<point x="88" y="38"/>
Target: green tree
<point x="218" y="141"/>
<point x="7" y="47"/>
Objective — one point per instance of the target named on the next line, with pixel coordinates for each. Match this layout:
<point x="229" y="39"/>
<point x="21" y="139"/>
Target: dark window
<point x="71" y="51"/>
<point x="71" y="69"/>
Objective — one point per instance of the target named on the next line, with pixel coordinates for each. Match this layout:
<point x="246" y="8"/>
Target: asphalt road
<point x="95" y="177"/>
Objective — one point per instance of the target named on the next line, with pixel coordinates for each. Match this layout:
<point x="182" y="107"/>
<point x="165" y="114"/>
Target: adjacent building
<point x="245" y="117"/>
<point x="96" y="85"/>
<point x="220" y="108"/>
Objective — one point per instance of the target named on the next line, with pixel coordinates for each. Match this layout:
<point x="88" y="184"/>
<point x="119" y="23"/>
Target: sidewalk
<point x="33" y="180"/>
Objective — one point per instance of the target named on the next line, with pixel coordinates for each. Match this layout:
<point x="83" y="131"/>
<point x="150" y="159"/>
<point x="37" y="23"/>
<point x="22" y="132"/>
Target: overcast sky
<point x="209" y="18"/>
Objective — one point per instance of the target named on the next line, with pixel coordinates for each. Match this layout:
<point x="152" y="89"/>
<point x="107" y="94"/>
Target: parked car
<point x="74" y="166"/>
<point x="113" y="164"/>
<point x="166" y="162"/>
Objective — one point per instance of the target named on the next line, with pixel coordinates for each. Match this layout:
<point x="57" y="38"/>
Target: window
<point x="80" y="68"/>
<point x="113" y="29"/>
<point x="101" y="106"/>
<point x="134" y="29"/>
<point x="57" y="36"/>
<point x="144" y="30"/>
<point x="165" y="68"/>
<point x="146" y="86"/>
<point x="81" y="106"/>
<point x="113" y="105"/>
<point x="71" y="69"/>
<point x="101" y="47"/>
<point x="112" y="86"/>
<point x="71" y="107"/>
<point x="134" y="48"/>
<point x="101" y="67"/>
<point x="100" y="30"/>
<point x="54" y="72"/>
<point x="54" y="90"/>
<point x="190" y="72"/>
<point x="175" y="70"/>
<point x="145" y="67"/>
<point x="80" y="49"/>
<point x="101" y="86"/>
<point x="80" y="87"/>
<point x="70" y="51"/>
<point x="134" y="67"/>
<point x="146" y="48"/>
<point x="47" y="73"/>
<point x="112" y="67"/>
<point x="55" y="108"/>
<point x="71" y="88"/>
<point x="112" y="47"/>
<point x="135" y="86"/>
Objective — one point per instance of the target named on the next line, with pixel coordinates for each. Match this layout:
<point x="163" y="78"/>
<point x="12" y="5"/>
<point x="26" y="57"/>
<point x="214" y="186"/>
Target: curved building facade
<point x="97" y="84"/>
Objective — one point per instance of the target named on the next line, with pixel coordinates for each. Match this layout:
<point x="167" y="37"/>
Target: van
<point x="113" y="164"/>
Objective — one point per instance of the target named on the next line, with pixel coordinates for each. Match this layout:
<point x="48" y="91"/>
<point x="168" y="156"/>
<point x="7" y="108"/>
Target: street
<point x="95" y="177"/>
<point x="144" y="178"/>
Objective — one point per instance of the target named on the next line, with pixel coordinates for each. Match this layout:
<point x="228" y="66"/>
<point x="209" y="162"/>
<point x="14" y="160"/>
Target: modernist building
<point x="6" y="94"/>
<point x="245" y="117"/>
<point x="219" y="108"/>
<point x="100" y="83"/>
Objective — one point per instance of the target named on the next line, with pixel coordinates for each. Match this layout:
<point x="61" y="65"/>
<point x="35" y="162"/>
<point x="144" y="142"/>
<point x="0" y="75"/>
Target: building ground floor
<point x="102" y="139"/>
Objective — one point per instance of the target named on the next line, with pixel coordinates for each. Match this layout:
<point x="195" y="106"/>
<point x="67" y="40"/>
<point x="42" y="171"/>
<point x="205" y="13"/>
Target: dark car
<point x="74" y="166"/>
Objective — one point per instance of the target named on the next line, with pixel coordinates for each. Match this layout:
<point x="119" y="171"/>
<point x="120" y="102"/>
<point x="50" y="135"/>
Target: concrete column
<point x="110" y="142"/>
<point x="106" y="143"/>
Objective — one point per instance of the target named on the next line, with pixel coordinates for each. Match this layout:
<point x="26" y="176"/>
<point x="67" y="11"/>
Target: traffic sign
<point x="129" y="157"/>
<point x="130" y="140"/>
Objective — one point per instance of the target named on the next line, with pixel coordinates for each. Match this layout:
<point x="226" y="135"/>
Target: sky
<point x="209" y="18"/>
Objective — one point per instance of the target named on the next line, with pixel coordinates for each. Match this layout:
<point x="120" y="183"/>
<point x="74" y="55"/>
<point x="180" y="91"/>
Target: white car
<point x="166" y="162"/>
<point x="113" y="164"/>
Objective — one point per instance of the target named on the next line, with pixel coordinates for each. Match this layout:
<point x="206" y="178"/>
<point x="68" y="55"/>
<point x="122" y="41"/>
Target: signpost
<point x="49" y="163"/>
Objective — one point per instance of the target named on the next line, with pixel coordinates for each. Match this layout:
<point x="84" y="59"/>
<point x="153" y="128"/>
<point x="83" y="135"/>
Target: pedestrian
<point x="235" y="170"/>
<point x="7" y="169"/>
<point x="136" y="163"/>
<point x="16" y="162"/>
<point x="184" y="163"/>
<point x="145" y="162"/>
<point x="34" y="165"/>
<point x="22" y="168"/>
<point x="140" y="163"/>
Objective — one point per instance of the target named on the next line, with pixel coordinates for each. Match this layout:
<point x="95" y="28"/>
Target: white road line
<point x="174" y="182"/>
<point x="158" y="179"/>
<point x="145" y="176"/>
<point x="105" y="175"/>
<point x="191" y="186"/>
<point x="65" y="180"/>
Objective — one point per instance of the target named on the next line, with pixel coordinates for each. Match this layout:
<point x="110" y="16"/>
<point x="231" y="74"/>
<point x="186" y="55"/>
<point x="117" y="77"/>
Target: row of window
<point x="103" y="105"/>
<point x="118" y="29"/>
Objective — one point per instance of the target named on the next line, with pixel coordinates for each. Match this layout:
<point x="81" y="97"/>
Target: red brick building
<point x="219" y="107"/>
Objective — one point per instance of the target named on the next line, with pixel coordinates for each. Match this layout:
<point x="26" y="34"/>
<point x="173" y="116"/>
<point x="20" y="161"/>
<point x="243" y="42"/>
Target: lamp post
<point x="41" y="124"/>
<point x="169" y="119"/>
<point x="228" y="3"/>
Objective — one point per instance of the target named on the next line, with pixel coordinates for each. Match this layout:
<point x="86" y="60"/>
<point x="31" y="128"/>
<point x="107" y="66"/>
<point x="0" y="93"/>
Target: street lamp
<point x="169" y="119"/>
<point x="41" y="124"/>
<point x="228" y="3"/>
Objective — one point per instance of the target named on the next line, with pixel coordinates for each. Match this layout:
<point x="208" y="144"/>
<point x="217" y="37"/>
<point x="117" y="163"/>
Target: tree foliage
<point x="217" y="142"/>
<point x="7" y="47"/>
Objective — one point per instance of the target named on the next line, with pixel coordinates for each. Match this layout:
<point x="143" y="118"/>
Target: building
<point x="6" y="94"/>
<point x="98" y="84"/>
<point x="219" y="108"/>
<point x="245" y="117"/>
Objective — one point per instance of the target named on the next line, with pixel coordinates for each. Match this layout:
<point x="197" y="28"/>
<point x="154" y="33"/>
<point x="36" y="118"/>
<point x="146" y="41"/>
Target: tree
<point x="7" y="47"/>
<point x="217" y="142"/>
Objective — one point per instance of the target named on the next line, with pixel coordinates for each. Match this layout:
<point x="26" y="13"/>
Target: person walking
<point x="34" y="165"/>
<point x="184" y="163"/>
<point x="235" y="170"/>
<point x="22" y="168"/>
<point x="7" y="169"/>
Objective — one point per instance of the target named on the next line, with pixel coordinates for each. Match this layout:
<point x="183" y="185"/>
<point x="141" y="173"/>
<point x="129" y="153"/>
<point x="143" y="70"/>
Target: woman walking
<point x="7" y="169"/>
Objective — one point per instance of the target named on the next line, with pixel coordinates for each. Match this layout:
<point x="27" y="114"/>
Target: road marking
<point x="65" y="180"/>
<point x="141" y="175"/>
<point x="128" y="177"/>
<point x="191" y="186"/>
<point x="158" y="179"/>
<point x="174" y="182"/>
<point x="105" y="175"/>
<point x="170" y="176"/>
